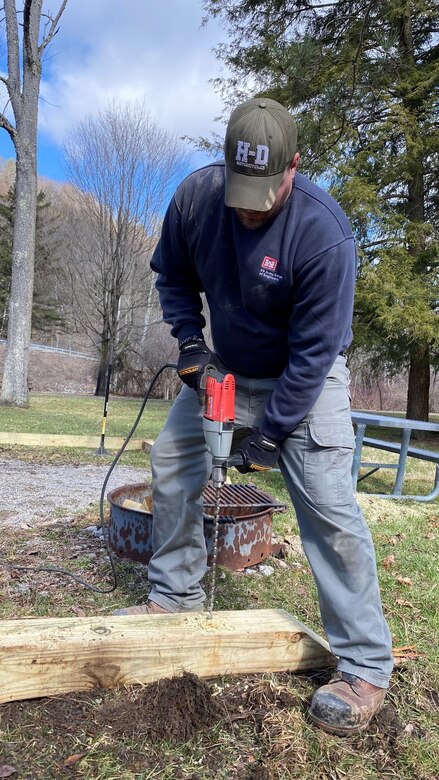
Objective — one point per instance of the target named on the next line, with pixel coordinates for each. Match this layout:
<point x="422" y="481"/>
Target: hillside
<point x="58" y="373"/>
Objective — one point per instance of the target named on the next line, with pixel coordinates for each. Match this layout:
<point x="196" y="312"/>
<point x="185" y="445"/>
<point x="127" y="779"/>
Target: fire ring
<point x="245" y="530"/>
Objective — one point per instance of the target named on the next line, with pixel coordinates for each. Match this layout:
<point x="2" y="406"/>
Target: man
<point x="276" y="259"/>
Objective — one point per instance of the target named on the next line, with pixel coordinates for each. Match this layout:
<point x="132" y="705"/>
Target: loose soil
<point x="170" y="709"/>
<point x="145" y="721"/>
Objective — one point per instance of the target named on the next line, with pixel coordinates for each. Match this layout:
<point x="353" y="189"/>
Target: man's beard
<point x="252" y="220"/>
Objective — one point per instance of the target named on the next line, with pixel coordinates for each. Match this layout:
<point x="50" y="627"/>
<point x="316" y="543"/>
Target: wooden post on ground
<point x="49" y="656"/>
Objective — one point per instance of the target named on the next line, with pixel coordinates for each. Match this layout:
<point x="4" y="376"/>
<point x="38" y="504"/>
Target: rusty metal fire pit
<point x="245" y="530"/>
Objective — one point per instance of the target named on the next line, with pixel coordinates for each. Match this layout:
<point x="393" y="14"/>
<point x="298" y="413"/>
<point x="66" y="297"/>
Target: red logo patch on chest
<point x="269" y="263"/>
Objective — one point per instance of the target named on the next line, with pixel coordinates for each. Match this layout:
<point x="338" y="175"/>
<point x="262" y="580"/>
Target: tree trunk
<point x="14" y="387"/>
<point x="418" y="395"/>
<point x="103" y="366"/>
<point x="23" y="88"/>
<point x="108" y="342"/>
<point x="419" y="382"/>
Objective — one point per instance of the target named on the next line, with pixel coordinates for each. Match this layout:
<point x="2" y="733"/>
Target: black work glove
<point x="193" y="359"/>
<point x="257" y="452"/>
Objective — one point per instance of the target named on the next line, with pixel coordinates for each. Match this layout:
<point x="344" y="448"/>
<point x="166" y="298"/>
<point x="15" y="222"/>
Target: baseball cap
<point x="261" y="140"/>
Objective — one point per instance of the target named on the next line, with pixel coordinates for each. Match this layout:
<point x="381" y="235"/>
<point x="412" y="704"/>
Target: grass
<point x="264" y="734"/>
<point x="266" y="726"/>
<point x="82" y="416"/>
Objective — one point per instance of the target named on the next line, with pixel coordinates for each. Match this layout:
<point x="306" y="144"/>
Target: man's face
<point x="255" y="219"/>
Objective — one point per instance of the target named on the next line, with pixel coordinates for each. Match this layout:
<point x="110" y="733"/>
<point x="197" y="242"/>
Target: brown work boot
<point x="346" y="704"/>
<point x="150" y="608"/>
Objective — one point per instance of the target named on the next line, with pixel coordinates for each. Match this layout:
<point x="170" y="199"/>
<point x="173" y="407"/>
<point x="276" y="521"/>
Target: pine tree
<point x="45" y="312"/>
<point x="361" y="76"/>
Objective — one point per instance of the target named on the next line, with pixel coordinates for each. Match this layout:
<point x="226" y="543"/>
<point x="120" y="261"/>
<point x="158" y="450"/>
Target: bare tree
<point x="23" y="86"/>
<point x="123" y="167"/>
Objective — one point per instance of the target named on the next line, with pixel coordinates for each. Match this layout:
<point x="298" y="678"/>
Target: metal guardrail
<point x="57" y="350"/>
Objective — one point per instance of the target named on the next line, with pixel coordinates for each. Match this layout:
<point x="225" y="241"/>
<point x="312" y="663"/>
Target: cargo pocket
<point x="328" y="462"/>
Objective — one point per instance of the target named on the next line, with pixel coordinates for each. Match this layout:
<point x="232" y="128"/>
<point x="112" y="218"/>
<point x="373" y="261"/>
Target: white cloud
<point x="151" y="50"/>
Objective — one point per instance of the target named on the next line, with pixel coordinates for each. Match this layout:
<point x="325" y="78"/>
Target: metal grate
<point x="241" y="496"/>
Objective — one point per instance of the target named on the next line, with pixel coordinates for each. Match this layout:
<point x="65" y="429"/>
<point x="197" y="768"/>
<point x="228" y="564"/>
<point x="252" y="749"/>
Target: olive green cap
<point x="261" y="140"/>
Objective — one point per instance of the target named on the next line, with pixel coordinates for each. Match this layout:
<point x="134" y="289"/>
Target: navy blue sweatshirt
<point x="280" y="297"/>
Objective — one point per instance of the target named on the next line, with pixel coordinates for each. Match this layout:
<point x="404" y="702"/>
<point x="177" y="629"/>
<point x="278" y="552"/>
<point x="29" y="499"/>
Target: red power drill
<point x="219" y="416"/>
<point x="218" y="420"/>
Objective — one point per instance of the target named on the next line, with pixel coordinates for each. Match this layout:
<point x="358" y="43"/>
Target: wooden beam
<point x="61" y="440"/>
<point x="49" y="656"/>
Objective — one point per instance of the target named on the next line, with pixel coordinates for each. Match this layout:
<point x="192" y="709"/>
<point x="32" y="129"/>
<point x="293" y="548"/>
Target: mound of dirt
<point x="173" y="709"/>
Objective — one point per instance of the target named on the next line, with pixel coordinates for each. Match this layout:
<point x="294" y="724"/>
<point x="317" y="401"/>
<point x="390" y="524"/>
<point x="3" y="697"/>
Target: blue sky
<point x="155" y="51"/>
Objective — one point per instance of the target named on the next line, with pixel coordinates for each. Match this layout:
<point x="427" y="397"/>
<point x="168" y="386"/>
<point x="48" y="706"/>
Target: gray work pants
<point x="316" y="464"/>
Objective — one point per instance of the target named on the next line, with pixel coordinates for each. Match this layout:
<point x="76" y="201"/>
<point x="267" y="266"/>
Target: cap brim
<point x="254" y="193"/>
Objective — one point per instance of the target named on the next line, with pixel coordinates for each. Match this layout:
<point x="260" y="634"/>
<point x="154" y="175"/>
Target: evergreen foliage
<point x="45" y="313"/>
<point x="362" y="77"/>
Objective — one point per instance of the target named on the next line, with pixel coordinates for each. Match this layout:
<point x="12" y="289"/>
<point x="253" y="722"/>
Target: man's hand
<point x="258" y="453"/>
<point x="193" y="359"/>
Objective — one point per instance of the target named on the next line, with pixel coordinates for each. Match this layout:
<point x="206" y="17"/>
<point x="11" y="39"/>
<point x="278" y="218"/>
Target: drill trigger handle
<point x="210" y="370"/>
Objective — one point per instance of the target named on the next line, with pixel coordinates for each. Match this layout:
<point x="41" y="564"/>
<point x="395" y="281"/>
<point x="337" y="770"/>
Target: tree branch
<point x="379" y="242"/>
<point x="13" y="83"/>
<point x="9" y="128"/>
<point x="53" y="29"/>
<point x="31" y="26"/>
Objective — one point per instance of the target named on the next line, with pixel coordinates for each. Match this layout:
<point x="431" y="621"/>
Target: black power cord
<point x="64" y="572"/>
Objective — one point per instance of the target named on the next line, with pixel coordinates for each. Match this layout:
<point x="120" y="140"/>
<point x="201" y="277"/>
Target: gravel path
<point x="32" y="494"/>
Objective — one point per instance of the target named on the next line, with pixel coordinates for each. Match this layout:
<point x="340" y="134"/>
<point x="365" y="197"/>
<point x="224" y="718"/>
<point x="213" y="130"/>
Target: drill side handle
<point x="236" y="459"/>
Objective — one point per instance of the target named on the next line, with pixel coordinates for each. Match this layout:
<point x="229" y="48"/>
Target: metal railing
<point x="57" y="350"/>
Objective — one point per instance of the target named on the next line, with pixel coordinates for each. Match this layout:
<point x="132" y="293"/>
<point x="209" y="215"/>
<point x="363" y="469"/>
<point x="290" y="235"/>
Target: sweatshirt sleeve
<point x="178" y="284"/>
<point x="319" y="329"/>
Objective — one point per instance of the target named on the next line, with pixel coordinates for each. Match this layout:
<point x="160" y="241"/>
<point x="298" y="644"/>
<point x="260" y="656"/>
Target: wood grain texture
<point x="50" y="656"/>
